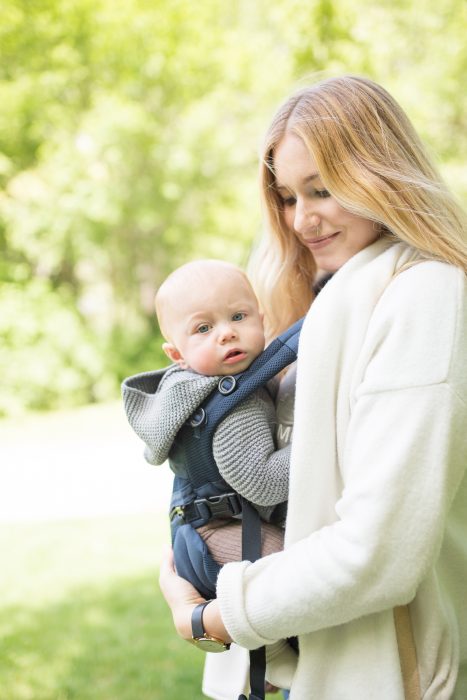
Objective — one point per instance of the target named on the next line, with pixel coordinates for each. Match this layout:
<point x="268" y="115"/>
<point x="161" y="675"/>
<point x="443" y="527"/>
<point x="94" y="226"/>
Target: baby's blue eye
<point x="239" y="316"/>
<point x="204" y="328"/>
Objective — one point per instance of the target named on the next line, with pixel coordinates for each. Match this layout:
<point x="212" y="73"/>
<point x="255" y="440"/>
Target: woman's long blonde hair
<point x="374" y="164"/>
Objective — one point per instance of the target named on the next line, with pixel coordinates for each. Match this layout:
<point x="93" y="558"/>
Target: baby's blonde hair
<point x="373" y="163"/>
<point x="178" y="284"/>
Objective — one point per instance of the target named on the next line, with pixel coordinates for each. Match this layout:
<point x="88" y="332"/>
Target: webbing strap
<point x="200" y="461"/>
<point x="251" y="551"/>
<point x="251" y="532"/>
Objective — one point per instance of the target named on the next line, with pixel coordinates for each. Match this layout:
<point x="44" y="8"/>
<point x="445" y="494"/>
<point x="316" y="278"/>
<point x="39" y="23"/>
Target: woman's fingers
<point x="167" y="561"/>
<point x="174" y="588"/>
<point x="180" y="595"/>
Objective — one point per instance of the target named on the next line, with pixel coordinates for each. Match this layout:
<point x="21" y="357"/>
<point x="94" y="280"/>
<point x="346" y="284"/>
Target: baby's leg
<point x="224" y="539"/>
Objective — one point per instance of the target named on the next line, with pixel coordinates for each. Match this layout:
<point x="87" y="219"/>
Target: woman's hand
<point x="182" y="599"/>
<point x="180" y="595"/>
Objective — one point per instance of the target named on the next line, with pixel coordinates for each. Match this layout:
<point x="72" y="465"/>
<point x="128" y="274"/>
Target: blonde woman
<point x="372" y="578"/>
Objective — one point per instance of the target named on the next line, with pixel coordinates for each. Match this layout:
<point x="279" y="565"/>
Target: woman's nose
<point x="306" y="219"/>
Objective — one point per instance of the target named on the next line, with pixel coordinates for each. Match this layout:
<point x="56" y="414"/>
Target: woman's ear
<point x="173" y="354"/>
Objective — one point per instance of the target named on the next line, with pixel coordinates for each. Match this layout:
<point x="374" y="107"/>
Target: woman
<point x="375" y="562"/>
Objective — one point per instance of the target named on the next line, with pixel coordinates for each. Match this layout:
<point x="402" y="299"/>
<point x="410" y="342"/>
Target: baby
<point x="210" y="319"/>
<point x="212" y="325"/>
<point x="209" y="316"/>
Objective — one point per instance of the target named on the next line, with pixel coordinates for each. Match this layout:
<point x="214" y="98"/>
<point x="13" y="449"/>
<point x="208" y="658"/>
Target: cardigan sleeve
<point x="404" y="458"/>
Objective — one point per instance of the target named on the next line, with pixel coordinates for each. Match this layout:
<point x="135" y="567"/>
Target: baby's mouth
<point x="234" y="354"/>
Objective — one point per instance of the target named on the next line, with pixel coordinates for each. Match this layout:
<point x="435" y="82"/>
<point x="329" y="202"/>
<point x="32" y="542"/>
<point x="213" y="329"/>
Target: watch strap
<point x="197" y="627"/>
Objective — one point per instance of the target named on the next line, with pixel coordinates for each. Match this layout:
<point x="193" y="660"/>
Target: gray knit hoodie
<point x="158" y="403"/>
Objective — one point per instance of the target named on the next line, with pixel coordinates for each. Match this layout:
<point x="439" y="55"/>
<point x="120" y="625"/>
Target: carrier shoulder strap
<point x="231" y="391"/>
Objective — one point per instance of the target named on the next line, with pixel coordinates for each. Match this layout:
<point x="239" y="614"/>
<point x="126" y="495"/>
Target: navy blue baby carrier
<point x="200" y="494"/>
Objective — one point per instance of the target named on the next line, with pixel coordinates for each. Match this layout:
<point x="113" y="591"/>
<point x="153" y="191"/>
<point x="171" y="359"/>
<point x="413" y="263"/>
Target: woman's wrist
<point x="212" y="621"/>
<point x="182" y="618"/>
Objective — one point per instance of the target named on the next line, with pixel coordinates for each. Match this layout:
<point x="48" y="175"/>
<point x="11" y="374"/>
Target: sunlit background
<point x="129" y="140"/>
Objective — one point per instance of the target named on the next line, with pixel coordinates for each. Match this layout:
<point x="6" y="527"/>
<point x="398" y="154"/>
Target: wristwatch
<point x="199" y="637"/>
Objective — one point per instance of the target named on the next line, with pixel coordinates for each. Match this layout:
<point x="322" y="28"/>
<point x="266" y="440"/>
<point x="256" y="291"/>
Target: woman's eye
<point x="323" y="193"/>
<point x="239" y="316"/>
<point x="288" y="201"/>
<point x="204" y="328"/>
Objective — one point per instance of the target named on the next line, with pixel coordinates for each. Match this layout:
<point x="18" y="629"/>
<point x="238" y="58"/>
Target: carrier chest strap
<point x="226" y="505"/>
<point x="251" y="551"/>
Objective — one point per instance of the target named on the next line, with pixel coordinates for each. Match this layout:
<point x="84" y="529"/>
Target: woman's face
<point x="330" y="232"/>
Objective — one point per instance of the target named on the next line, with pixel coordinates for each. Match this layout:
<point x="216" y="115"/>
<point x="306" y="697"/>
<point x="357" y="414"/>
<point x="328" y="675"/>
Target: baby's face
<point x="218" y="330"/>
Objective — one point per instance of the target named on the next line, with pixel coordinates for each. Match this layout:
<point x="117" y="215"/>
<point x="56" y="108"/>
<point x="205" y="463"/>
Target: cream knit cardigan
<point x="378" y="489"/>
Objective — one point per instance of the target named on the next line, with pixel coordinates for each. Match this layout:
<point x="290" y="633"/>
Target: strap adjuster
<point x="226" y="505"/>
<point x="227" y="384"/>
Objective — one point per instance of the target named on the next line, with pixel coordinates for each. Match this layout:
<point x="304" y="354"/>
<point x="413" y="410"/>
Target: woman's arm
<point x="402" y="459"/>
<point x="391" y="521"/>
<point x="392" y="516"/>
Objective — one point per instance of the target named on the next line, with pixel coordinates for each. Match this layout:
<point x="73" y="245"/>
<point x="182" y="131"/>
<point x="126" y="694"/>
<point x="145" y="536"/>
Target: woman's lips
<point x="234" y="356"/>
<point x="320" y="242"/>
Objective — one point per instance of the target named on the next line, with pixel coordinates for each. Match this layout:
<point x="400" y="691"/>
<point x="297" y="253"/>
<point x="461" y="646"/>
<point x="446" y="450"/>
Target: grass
<point x="81" y="616"/>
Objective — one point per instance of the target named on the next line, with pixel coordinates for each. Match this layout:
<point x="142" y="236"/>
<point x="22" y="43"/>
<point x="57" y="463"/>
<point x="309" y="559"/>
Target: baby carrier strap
<point x="214" y="501"/>
<point x="211" y="495"/>
<point x="230" y="392"/>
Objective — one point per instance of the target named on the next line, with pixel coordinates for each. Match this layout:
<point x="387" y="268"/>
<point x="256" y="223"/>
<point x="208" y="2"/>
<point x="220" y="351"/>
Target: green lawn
<point x="81" y="615"/>
<point x="82" y="618"/>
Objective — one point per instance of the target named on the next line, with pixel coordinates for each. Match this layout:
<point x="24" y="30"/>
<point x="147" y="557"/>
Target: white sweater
<point x="378" y="489"/>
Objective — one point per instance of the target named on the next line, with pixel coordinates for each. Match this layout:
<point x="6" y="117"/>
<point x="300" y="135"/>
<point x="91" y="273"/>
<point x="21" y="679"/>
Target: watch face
<point x="211" y="645"/>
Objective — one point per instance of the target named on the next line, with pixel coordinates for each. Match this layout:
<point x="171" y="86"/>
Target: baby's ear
<point x="173" y="354"/>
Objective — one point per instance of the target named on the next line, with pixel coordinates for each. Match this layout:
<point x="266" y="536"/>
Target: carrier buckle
<point x="224" y="506"/>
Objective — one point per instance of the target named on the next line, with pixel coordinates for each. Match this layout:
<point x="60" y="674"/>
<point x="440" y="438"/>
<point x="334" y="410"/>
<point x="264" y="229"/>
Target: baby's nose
<point x="226" y="333"/>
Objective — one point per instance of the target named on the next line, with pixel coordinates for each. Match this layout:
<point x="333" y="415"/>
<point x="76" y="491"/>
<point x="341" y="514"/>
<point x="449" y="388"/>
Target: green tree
<point x="129" y="135"/>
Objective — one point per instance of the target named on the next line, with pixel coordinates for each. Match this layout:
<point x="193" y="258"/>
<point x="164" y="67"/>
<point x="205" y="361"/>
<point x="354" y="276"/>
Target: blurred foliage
<point x="129" y="135"/>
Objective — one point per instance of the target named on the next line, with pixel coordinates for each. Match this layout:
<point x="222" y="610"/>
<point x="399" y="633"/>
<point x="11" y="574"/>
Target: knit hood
<point x="158" y="403"/>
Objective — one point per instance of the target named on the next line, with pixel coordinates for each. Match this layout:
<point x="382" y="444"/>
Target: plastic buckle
<point x="224" y="506"/>
<point x="235" y="503"/>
